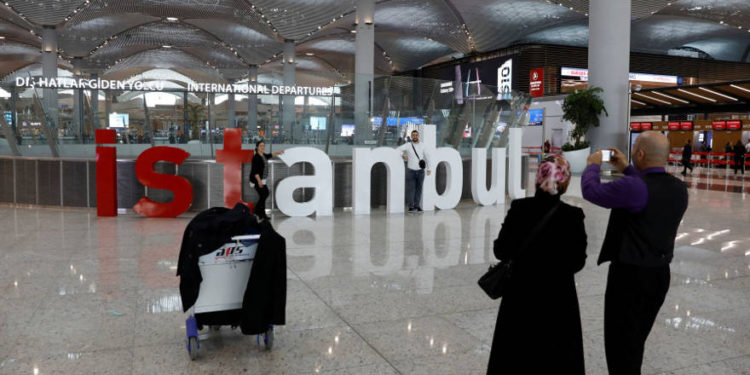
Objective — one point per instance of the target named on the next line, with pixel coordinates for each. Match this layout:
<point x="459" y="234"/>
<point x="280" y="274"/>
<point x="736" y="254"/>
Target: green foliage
<point x="570" y="147"/>
<point x="583" y="108"/>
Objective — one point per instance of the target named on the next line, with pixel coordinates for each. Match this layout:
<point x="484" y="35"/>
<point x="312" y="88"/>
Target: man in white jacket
<point x="417" y="161"/>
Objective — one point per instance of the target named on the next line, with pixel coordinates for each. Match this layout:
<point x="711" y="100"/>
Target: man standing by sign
<point x="417" y="161"/>
<point x="647" y="208"/>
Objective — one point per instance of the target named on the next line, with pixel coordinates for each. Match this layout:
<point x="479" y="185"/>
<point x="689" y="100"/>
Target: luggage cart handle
<point x="245" y="237"/>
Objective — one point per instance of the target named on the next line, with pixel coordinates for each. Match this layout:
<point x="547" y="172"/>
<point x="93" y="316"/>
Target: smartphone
<point x="606" y="155"/>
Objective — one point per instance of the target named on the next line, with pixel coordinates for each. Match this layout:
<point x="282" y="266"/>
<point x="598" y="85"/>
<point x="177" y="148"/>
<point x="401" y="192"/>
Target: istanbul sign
<point x="232" y="156"/>
<point x="135" y="85"/>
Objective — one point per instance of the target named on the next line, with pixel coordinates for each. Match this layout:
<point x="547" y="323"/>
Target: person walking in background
<point x="258" y="175"/>
<point x="417" y="162"/>
<point x="727" y="150"/>
<point x="687" y="154"/>
<point x="527" y="339"/>
<point x="647" y="207"/>
<point x="739" y="157"/>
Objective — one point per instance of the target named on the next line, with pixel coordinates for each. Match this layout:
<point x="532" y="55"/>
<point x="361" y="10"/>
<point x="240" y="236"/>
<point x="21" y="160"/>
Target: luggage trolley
<point x="225" y="272"/>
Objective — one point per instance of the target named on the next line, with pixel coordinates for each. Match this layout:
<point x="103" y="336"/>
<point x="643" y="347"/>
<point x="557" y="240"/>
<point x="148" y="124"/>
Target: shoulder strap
<point x="415" y="150"/>
<point x="538" y="228"/>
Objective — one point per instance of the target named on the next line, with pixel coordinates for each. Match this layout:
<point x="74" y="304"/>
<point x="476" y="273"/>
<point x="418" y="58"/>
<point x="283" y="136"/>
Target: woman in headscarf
<point x="538" y="329"/>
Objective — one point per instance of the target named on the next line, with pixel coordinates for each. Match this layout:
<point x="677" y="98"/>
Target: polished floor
<point x="379" y="294"/>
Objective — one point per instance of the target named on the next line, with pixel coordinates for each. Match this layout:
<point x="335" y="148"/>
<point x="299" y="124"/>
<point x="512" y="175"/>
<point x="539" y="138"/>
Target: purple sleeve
<point x="629" y="192"/>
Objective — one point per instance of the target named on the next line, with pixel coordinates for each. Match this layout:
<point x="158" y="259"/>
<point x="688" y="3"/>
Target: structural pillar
<point x="185" y="125"/>
<point x="252" y="101"/>
<point x="364" y="62"/>
<point x="287" y="109"/>
<point x="49" y="70"/>
<point x="95" y="104"/>
<point x="609" y="67"/>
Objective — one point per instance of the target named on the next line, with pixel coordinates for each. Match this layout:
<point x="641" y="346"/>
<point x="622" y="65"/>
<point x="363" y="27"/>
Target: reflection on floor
<point x="379" y="294"/>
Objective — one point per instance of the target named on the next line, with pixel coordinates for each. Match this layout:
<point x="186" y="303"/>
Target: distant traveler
<point x="739" y="157"/>
<point x="526" y="339"/>
<point x="417" y="161"/>
<point x="687" y="154"/>
<point x="728" y="150"/>
<point x="258" y="175"/>
<point x="647" y="207"/>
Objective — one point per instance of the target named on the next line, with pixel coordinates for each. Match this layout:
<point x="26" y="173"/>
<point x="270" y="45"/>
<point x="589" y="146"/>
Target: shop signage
<point x="536" y="82"/>
<point x="719" y="125"/>
<point x="674" y="125"/>
<point x="734" y="125"/>
<point x="583" y="75"/>
<point x="686" y="125"/>
<point x="645" y="126"/>
<point x="635" y="126"/>
<point x="233" y="157"/>
<point x="135" y="85"/>
<point x="505" y="79"/>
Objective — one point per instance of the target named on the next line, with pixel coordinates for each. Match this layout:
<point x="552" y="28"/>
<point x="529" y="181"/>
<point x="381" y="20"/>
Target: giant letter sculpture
<point x="180" y="187"/>
<point x="362" y="161"/>
<point x="515" y="189"/>
<point x="106" y="173"/>
<point x="233" y="156"/>
<point x="322" y="181"/>
<point x="496" y="193"/>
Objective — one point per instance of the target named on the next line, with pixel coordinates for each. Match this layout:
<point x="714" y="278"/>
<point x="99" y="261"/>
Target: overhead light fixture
<point x="637" y="102"/>
<point x="309" y="54"/>
<point x="739" y="88"/>
<point x="354" y="31"/>
<point x="2" y="37"/>
<point x="717" y="93"/>
<point x="696" y="95"/>
<point x="166" y="46"/>
<point x="652" y="98"/>
<point x="172" y="19"/>
<point x="670" y="97"/>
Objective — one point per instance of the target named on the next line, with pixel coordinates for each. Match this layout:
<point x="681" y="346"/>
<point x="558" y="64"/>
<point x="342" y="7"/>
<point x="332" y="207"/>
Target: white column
<point x="287" y="107"/>
<point x="95" y="104"/>
<point x="49" y="70"/>
<point x="252" y="102"/>
<point x="364" y="61"/>
<point x="609" y="66"/>
<point x="77" y="101"/>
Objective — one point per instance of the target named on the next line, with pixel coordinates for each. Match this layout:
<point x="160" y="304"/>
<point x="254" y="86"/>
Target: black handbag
<point x="422" y="163"/>
<point x="496" y="280"/>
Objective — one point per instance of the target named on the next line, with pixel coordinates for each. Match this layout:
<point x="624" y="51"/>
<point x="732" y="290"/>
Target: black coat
<point x="538" y="329"/>
<point x="264" y="301"/>
<point x="739" y="152"/>
<point x="687" y="153"/>
<point x="257" y="167"/>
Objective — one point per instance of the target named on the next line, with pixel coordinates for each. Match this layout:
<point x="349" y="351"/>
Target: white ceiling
<point x="216" y="40"/>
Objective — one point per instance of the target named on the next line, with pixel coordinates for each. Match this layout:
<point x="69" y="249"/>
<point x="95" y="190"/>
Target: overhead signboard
<point x="686" y="125"/>
<point x="734" y="125"/>
<point x="536" y="117"/>
<point x="674" y="125"/>
<point x="505" y="79"/>
<point x="635" y="126"/>
<point x="583" y="75"/>
<point x="645" y="126"/>
<point x="719" y="125"/>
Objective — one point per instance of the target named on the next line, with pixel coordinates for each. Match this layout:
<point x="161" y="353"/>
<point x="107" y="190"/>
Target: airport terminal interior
<point x="124" y="122"/>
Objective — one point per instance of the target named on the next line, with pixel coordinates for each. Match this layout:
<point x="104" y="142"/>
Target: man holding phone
<point x="647" y="207"/>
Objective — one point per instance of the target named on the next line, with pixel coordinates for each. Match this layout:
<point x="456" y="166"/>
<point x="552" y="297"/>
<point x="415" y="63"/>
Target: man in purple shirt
<point x="647" y="208"/>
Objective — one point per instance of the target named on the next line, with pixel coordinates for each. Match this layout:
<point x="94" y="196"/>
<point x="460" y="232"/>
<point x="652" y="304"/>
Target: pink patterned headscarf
<point x="553" y="171"/>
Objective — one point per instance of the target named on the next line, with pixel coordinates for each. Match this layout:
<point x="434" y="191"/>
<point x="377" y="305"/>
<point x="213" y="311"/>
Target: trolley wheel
<point x="268" y="338"/>
<point x="192" y="347"/>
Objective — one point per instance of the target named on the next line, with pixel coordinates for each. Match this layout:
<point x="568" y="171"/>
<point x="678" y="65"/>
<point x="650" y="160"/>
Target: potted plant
<point x="582" y="108"/>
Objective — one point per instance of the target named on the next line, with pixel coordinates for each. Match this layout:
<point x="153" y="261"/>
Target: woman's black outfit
<point x="739" y="158"/>
<point x="538" y="329"/>
<point x="259" y="168"/>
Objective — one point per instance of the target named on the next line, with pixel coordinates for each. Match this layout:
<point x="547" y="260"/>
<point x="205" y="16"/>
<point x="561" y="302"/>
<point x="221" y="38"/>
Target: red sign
<point x="686" y="125"/>
<point x="635" y="126"/>
<point x="645" y="126"/>
<point x="536" y="82"/>
<point x="106" y="175"/>
<point x="734" y="125"/>
<point x="674" y="125"/>
<point x="719" y="125"/>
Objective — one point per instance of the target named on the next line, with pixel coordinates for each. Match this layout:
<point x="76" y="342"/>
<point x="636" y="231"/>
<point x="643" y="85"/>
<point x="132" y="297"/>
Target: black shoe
<point x="412" y="209"/>
<point x="419" y="209"/>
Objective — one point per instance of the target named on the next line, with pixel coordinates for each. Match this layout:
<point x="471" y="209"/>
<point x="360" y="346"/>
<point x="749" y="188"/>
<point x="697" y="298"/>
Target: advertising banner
<point x="536" y="82"/>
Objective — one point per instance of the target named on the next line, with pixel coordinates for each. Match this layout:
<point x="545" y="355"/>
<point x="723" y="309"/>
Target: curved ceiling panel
<point x="78" y="39"/>
<point x="659" y="34"/>
<point x="34" y="70"/>
<point x="423" y="18"/>
<point x="722" y="48"/>
<point x="495" y="25"/>
<point x="253" y="45"/>
<point x="164" y="59"/>
<point x="572" y="34"/>
<point x="411" y="52"/>
<point x="13" y="32"/>
<point x="45" y="12"/>
<point x="639" y="8"/>
<point x="732" y="12"/>
<point x="294" y="19"/>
